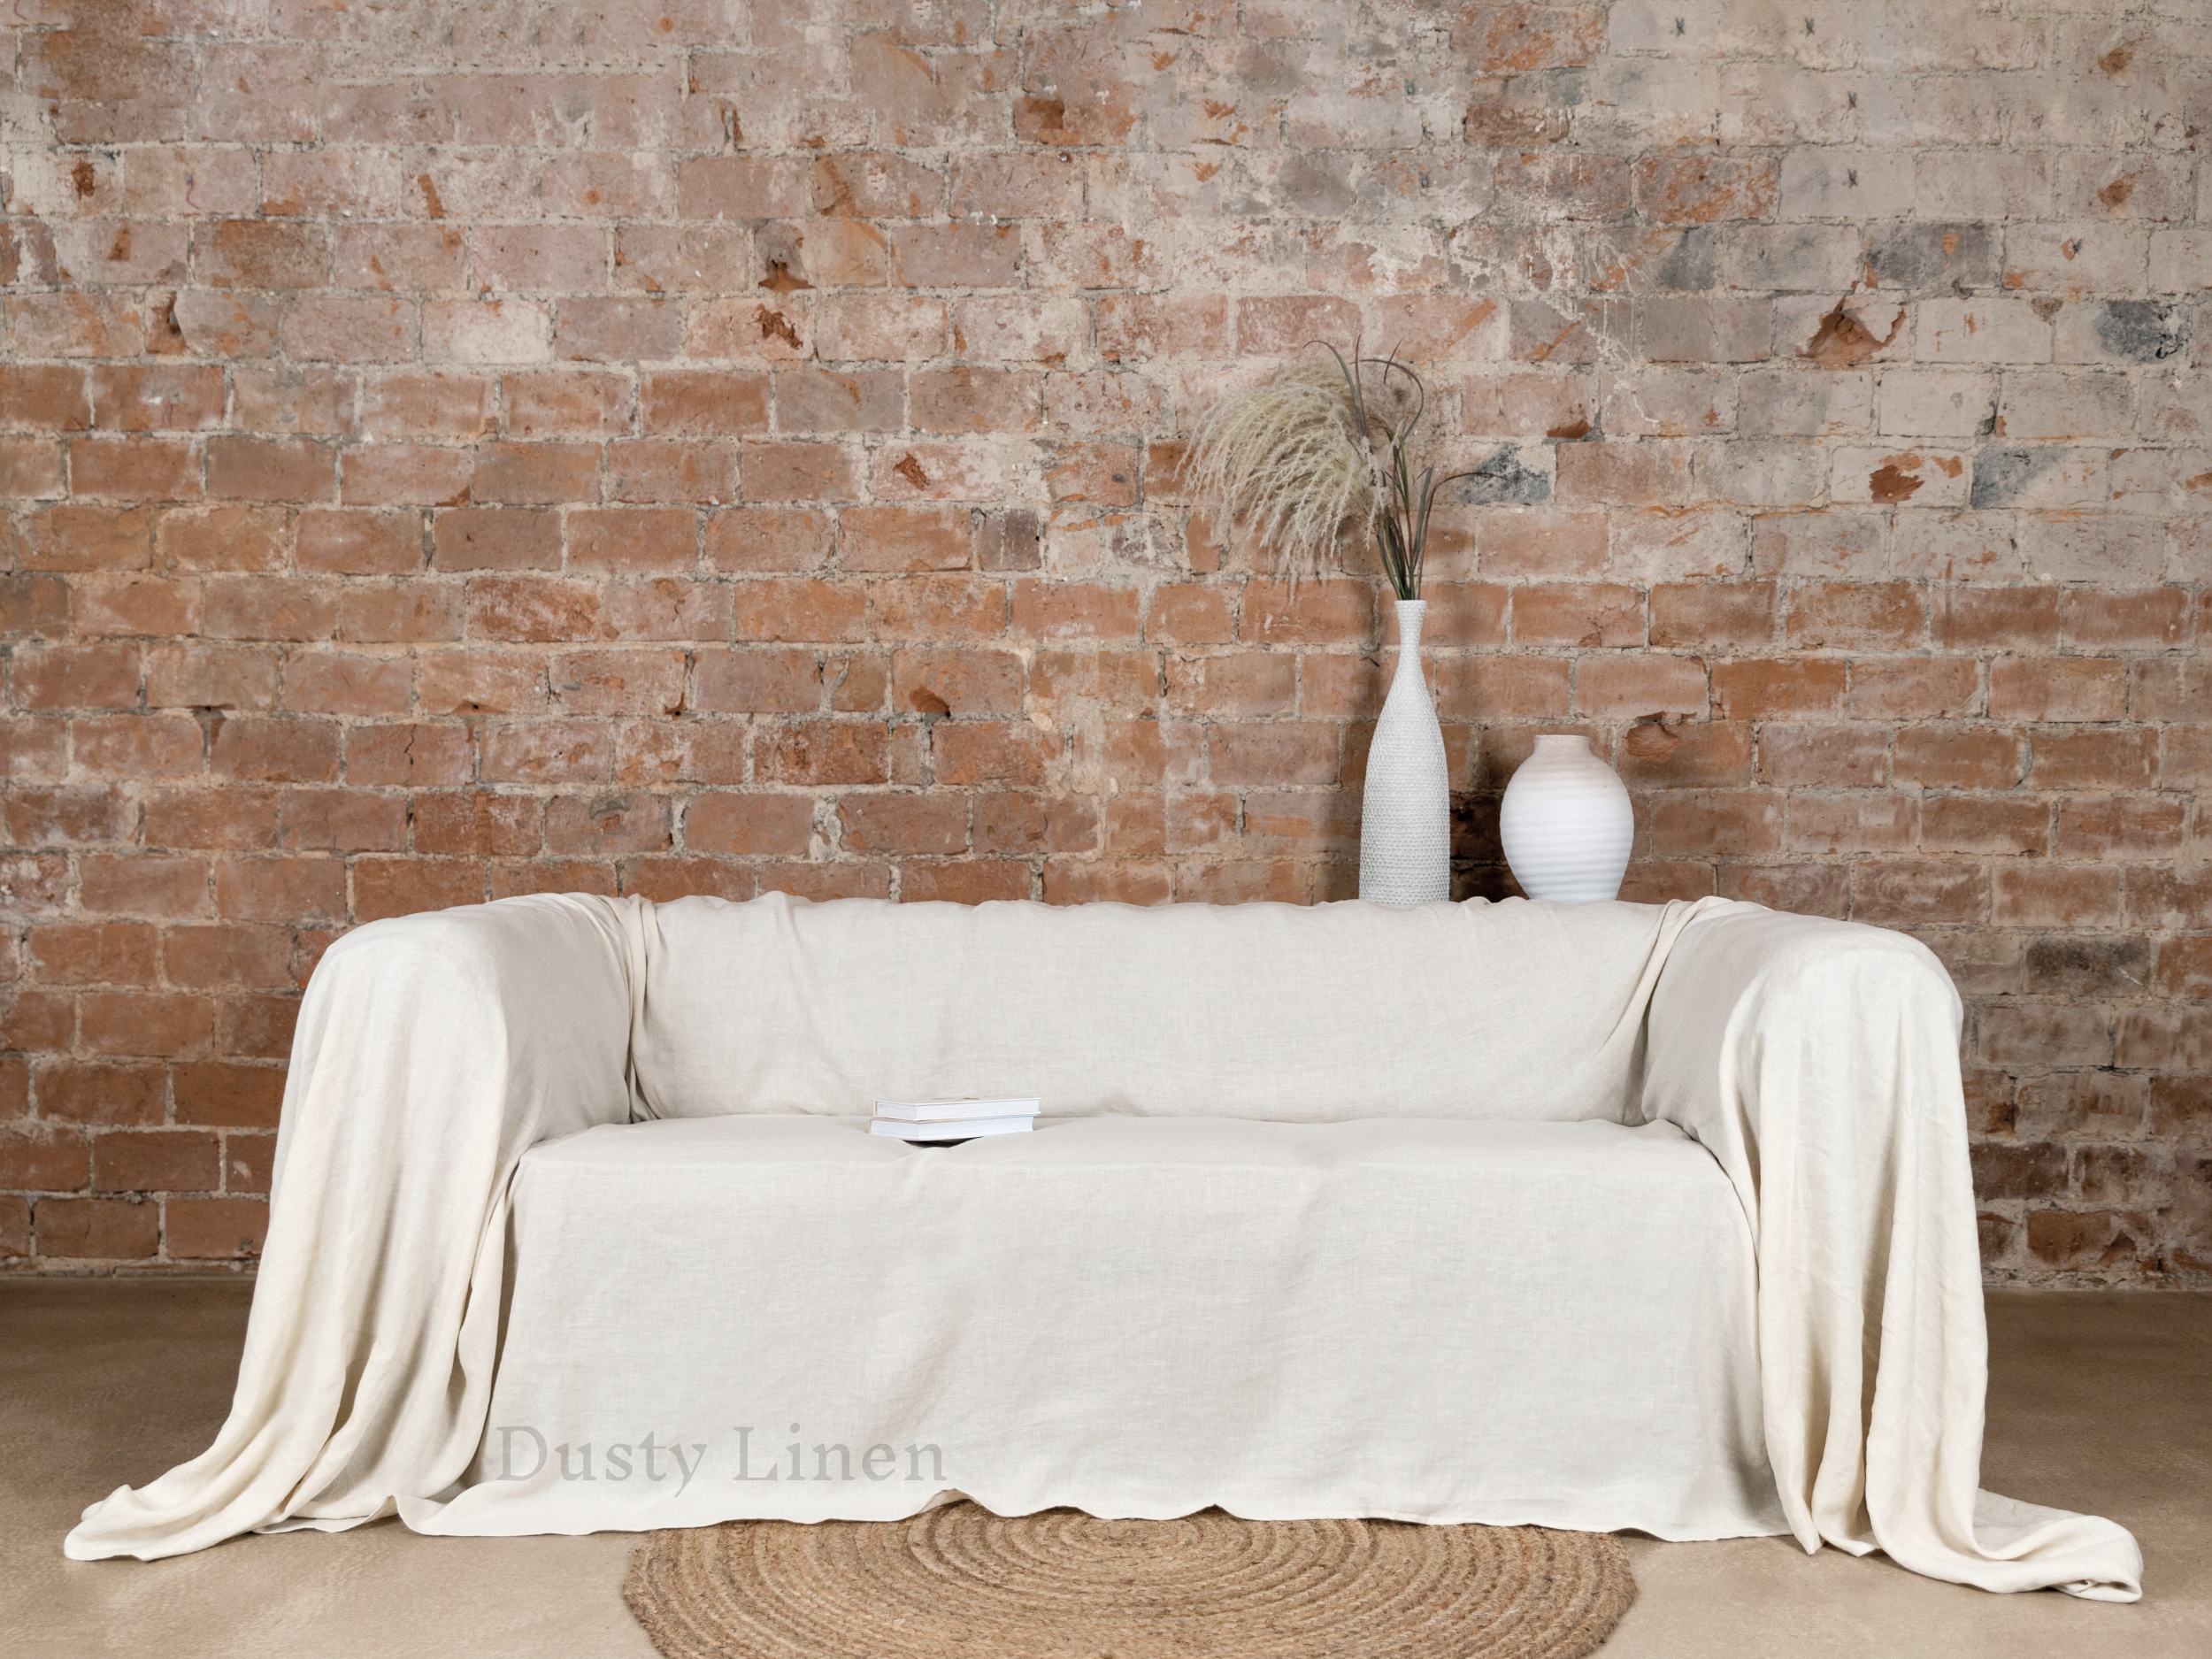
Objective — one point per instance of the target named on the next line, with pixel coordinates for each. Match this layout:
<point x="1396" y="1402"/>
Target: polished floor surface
<point x="2097" y="1402"/>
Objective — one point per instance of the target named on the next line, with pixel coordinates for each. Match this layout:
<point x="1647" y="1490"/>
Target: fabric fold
<point x="1818" y="1062"/>
<point x="431" y="1052"/>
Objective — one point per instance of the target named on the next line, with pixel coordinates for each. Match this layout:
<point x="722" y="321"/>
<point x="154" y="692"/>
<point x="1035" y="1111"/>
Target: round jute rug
<point x="961" y="1583"/>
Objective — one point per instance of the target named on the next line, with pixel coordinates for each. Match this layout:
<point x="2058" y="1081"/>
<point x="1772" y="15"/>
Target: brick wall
<point x="458" y="449"/>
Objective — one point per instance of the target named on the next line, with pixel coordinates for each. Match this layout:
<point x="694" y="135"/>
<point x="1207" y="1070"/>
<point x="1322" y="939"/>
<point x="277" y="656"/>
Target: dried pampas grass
<point x="1287" y="462"/>
<point x="1314" y="451"/>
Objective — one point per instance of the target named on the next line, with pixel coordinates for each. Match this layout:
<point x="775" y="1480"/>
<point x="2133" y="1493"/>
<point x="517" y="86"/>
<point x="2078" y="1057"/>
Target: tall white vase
<point x="1405" y="827"/>
<point x="1567" y="824"/>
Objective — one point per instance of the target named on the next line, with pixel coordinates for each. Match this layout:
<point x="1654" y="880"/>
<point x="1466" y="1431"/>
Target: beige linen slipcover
<point x="1815" y="1062"/>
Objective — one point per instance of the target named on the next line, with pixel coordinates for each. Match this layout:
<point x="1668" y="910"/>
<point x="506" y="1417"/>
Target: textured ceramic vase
<point x="1405" y="827"/>
<point x="1567" y="824"/>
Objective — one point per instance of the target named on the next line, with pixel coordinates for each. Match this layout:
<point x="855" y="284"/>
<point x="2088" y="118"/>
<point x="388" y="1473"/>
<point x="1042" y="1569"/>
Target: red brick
<point x="97" y="1228"/>
<point x="349" y="542"/>
<point x="341" y="820"/>
<point x="619" y="682"/>
<point x="71" y="1091"/>
<point x="2095" y="758"/>
<point x="44" y="397"/>
<point x="402" y="887"/>
<point x="1588" y="615"/>
<point x="904" y="824"/>
<point x="939" y="607"/>
<point x="231" y="816"/>
<point x="971" y="399"/>
<point x="92" y="953"/>
<point x="703" y="403"/>
<point x="407" y="474"/>
<point x="531" y="608"/>
<point x="252" y="1028"/>
<point x="1962" y="824"/>
<point x="1957" y="756"/>
<point x="271" y="469"/>
<point x="88" y="538"/>
<point x="1884" y="614"/>
<point x="160" y="1023"/>
<point x="1828" y="757"/>
<point x="976" y="881"/>
<point x="800" y="611"/>
<point x="957" y="681"/>
<point x="80" y="813"/>
<point x="823" y="752"/>
<point x="270" y="608"/>
<point x="2087" y="1240"/>
<point x="547" y="751"/>
<point x="1639" y="685"/>
<point x="478" y="539"/>
<point x="299" y="403"/>
<point x="135" y="468"/>
<point x="289" y="750"/>
<point x="477" y="825"/>
<point x="2016" y="617"/>
<point x="905" y="539"/>
<point x="555" y="404"/>
<point x="1272" y="753"/>
<point x="1710" y="615"/>
<point x="1501" y="688"/>
<point x="139" y="745"/>
<point x="410" y="753"/>
<point x="818" y="882"/>
<point x="426" y="405"/>
<point x="145" y="884"/>
<point x="1239" y="685"/>
<point x="2058" y="688"/>
<point x="604" y="825"/>
<point x="160" y="1160"/>
<point x="2055" y="897"/>
<point x="1912" y="892"/>
<point x="749" y="826"/>
<point x="223" y="539"/>
<point x="667" y="878"/>
<point x="215" y="1228"/>
<point x="535" y="474"/>
<point x="1915" y="688"/>
<point x="479" y="681"/>
<point x="1084" y="882"/>
<point x="1758" y="688"/>
<point x="42" y="1158"/>
<point x="2120" y="826"/>
<point x="290" y="890"/>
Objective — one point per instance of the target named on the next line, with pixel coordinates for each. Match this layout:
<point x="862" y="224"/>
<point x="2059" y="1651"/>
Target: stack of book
<point x="941" y="1122"/>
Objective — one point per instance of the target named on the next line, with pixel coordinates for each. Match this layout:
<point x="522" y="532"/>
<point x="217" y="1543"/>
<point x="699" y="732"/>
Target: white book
<point x="951" y="1128"/>
<point x="930" y="1111"/>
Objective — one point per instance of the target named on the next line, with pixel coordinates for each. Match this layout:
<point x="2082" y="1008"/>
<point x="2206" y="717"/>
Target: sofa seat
<point x="1427" y="1319"/>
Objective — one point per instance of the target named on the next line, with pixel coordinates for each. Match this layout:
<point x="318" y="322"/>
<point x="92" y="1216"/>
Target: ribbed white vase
<point x="1567" y="824"/>
<point x="1405" y="826"/>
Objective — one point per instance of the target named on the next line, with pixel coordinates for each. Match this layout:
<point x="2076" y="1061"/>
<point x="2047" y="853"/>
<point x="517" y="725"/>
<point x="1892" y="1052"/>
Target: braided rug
<point x="958" y="1580"/>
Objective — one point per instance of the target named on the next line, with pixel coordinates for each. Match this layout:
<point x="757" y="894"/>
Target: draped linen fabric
<point x="1420" y="1318"/>
<point x="1815" y="1062"/>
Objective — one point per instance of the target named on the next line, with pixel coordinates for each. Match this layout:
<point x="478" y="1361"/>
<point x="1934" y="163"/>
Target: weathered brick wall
<point x="457" y="449"/>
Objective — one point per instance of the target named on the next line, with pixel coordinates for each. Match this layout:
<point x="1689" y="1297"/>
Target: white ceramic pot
<point x="1405" y="826"/>
<point x="1567" y="824"/>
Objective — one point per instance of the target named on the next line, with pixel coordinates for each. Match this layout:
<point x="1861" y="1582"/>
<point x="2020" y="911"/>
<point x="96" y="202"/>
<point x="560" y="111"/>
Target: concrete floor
<point x="2097" y="1402"/>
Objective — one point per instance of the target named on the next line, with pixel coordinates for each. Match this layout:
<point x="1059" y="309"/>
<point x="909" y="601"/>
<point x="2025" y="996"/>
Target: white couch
<point x="1603" y="1216"/>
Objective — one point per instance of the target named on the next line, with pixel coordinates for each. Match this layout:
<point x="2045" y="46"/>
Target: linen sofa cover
<point x="1422" y="1319"/>
<point x="1817" y="1061"/>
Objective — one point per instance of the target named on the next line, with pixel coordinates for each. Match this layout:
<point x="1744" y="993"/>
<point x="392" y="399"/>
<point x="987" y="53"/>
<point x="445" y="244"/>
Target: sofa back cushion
<point x="1305" y="1014"/>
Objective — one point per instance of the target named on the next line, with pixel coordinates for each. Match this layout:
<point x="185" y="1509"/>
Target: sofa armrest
<point x="431" y="1052"/>
<point x="1818" y="1062"/>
